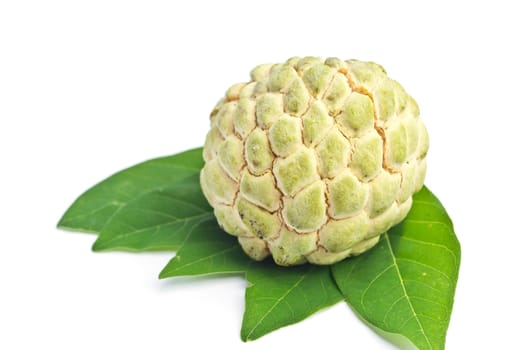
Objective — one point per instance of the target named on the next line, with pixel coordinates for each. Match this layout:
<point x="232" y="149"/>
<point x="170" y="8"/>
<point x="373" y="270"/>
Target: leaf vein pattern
<point x="94" y="211"/>
<point x="424" y="284"/>
<point x="430" y="267"/>
<point x="157" y="227"/>
<point x="429" y="203"/>
<point x="185" y="203"/>
<point x="394" y="262"/>
<point x="277" y="301"/>
<point x="203" y="258"/>
<point x="157" y="212"/>
<point x="402" y="297"/>
<point x="365" y="291"/>
<point x="431" y="222"/>
<point x="432" y="244"/>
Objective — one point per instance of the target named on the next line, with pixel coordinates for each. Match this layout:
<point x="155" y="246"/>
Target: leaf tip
<point x="244" y="336"/>
<point x="99" y="246"/>
<point x="66" y="225"/>
<point x="251" y="333"/>
<point x="63" y="222"/>
<point x="168" y="270"/>
<point x="163" y="274"/>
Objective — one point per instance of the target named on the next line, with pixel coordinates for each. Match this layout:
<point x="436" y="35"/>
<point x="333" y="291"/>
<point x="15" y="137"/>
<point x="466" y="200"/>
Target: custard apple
<point x="311" y="160"/>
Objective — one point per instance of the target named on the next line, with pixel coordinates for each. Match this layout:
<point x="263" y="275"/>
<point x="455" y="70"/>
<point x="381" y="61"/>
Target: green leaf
<point x="405" y="285"/>
<point x="93" y="209"/>
<point x="158" y="205"/>
<point x="281" y="296"/>
<point x="208" y="252"/>
<point x="277" y="297"/>
<point x="162" y="219"/>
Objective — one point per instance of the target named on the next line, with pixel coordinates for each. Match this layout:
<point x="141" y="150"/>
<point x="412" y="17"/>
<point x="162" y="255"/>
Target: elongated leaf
<point x="159" y="220"/>
<point x="281" y="296"/>
<point x="208" y="252"/>
<point x="164" y="209"/>
<point x="92" y="210"/>
<point x="277" y="296"/>
<point x="406" y="284"/>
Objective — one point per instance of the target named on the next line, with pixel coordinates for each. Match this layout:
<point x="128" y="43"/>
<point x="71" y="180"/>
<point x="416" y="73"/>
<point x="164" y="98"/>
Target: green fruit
<point x="312" y="160"/>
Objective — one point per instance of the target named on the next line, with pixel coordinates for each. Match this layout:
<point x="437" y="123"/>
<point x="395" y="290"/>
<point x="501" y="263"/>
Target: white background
<point x="90" y="87"/>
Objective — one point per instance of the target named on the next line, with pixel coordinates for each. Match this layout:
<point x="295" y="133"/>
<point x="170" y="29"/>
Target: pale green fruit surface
<point x="311" y="160"/>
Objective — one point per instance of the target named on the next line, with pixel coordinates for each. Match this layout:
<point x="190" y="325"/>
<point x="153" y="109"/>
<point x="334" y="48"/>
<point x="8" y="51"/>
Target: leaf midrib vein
<point x="124" y="201"/>
<point x="168" y="215"/>
<point x="398" y="272"/>
<point x="201" y="259"/>
<point x="181" y="201"/>
<point x="157" y="227"/>
<point x="113" y="204"/>
<point x="277" y="301"/>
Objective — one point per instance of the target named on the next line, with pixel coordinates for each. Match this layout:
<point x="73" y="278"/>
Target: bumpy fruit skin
<point x="312" y="160"/>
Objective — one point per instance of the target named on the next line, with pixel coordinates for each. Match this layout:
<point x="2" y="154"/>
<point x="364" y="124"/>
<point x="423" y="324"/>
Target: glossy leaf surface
<point x="406" y="284"/>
